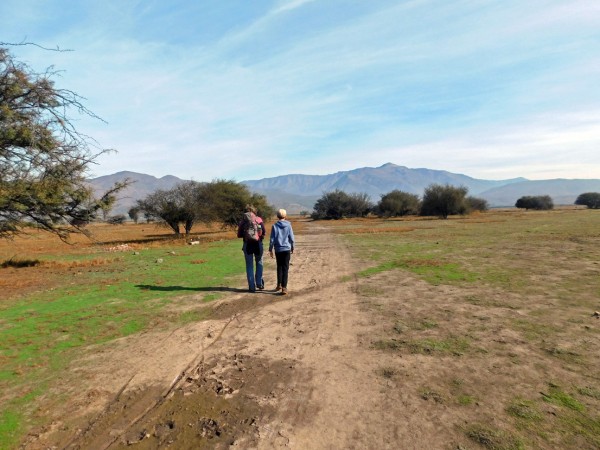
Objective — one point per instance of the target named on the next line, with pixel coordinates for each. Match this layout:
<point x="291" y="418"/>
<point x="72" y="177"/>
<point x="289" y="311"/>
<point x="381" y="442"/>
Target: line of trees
<point x="190" y="202"/>
<point x="438" y="200"/>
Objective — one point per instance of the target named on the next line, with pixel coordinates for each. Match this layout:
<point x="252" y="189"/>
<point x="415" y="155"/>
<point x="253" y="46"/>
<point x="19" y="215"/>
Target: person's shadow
<point x="149" y="287"/>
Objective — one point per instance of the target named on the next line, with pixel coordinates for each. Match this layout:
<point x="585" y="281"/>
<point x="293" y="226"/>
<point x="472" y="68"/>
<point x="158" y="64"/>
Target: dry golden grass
<point x="37" y="260"/>
<point x="370" y="230"/>
<point x="104" y="237"/>
<point x="51" y="259"/>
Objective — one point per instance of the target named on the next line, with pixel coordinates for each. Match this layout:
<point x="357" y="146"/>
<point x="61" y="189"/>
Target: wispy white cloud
<point x="484" y="88"/>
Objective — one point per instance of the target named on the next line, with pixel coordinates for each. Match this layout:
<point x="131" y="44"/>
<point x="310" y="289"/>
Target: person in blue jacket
<point x="282" y="241"/>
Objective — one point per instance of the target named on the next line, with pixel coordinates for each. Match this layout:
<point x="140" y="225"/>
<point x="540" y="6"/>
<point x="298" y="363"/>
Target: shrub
<point x="116" y="220"/>
<point x="444" y="200"/>
<point x="540" y="202"/>
<point x="477" y="204"/>
<point x="338" y="204"/>
<point x="398" y="203"/>
<point x="589" y="199"/>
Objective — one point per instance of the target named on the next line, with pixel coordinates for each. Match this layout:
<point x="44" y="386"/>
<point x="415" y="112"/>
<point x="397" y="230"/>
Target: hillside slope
<point x="297" y="192"/>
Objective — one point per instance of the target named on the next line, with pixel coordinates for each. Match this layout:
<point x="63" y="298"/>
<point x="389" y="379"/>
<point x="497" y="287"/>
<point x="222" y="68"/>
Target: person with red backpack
<point x="252" y="229"/>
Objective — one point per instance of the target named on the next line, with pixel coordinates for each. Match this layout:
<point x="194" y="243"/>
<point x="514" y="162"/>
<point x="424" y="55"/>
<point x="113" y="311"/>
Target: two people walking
<point x="281" y="246"/>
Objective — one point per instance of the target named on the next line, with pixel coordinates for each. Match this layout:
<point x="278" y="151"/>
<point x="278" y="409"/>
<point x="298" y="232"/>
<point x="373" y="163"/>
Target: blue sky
<point x="252" y="89"/>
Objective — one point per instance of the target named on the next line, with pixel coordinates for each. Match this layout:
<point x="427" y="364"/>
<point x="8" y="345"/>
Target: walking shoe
<point x="278" y="288"/>
<point x="261" y="288"/>
<point x="252" y="290"/>
<point x="284" y="291"/>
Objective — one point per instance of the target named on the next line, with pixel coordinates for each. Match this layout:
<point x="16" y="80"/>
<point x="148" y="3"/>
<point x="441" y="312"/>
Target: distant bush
<point x="20" y="263"/>
<point x="338" y="204"/>
<point x="116" y="220"/>
<point x="589" y="199"/>
<point x="477" y="204"/>
<point x="397" y="203"/>
<point x="540" y="202"/>
<point x="134" y="213"/>
<point x="444" y="200"/>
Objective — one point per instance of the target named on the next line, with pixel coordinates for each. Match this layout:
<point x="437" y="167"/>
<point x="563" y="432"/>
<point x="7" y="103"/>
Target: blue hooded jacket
<point x="282" y="237"/>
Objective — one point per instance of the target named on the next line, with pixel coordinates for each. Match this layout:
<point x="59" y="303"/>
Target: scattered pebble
<point x="119" y="248"/>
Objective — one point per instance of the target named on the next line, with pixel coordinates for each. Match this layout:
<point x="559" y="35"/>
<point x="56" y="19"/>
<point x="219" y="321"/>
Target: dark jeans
<point x="283" y="266"/>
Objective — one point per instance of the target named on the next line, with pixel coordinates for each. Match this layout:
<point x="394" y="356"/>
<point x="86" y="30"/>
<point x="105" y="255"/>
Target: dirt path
<point x="274" y="372"/>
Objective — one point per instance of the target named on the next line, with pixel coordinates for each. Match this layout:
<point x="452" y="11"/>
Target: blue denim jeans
<point x="255" y="278"/>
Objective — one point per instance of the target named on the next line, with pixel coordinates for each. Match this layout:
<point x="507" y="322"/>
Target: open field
<point x="475" y="332"/>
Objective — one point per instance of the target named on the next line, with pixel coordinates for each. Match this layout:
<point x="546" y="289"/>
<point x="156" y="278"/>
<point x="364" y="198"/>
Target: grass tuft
<point x="387" y="372"/>
<point x="557" y="396"/>
<point x="493" y="439"/>
<point x="466" y="400"/>
<point x="524" y="409"/>
<point x="589" y="392"/>
<point x="387" y="344"/>
<point x="429" y="394"/>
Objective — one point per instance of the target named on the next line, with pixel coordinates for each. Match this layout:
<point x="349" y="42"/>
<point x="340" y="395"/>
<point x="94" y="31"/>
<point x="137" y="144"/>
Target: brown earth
<point x="311" y="370"/>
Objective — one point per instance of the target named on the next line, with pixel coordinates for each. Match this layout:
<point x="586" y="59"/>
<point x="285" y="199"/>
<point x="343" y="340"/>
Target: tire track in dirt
<point x="335" y="400"/>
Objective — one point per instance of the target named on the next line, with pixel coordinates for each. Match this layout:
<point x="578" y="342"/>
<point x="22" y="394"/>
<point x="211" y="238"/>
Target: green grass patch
<point x="430" y="271"/>
<point x="524" y="410"/>
<point x="41" y="333"/>
<point x="193" y="316"/>
<point x="557" y="396"/>
<point x="465" y="400"/>
<point x="451" y="346"/>
<point x="10" y="428"/>
<point x="573" y="419"/>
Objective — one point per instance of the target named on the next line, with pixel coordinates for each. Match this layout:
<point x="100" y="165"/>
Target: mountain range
<point x="297" y="192"/>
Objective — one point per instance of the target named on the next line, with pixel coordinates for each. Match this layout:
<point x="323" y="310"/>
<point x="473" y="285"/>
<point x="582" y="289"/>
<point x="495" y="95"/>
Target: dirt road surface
<point x="267" y="371"/>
